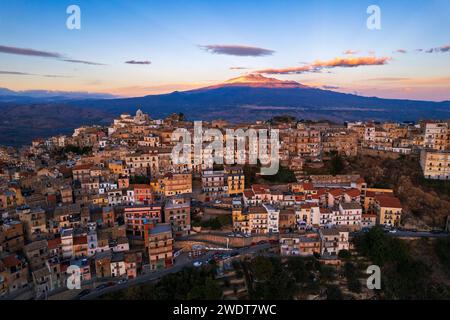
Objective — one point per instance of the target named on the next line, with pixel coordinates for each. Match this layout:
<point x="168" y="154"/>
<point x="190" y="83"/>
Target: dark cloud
<point x="441" y="49"/>
<point x="43" y="54"/>
<point x="350" y="52"/>
<point x="330" y="87"/>
<point x="238" y="50"/>
<point x="401" y="51"/>
<point x="146" y="62"/>
<point x="29" y="52"/>
<point x="84" y="62"/>
<point x="17" y="73"/>
<point x="238" y="68"/>
<point x="53" y="76"/>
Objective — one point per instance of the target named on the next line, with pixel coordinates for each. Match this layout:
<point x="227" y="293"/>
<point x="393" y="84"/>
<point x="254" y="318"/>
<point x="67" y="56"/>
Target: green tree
<point x="442" y="249"/>
<point x="344" y="254"/>
<point x="334" y="293"/>
<point x="337" y="163"/>
<point x="262" y="268"/>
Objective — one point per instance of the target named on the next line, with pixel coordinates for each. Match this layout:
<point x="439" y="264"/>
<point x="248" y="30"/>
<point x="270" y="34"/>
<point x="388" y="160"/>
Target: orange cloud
<point x="292" y="70"/>
<point x="351" y="62"/>
<point x="317" y="66"/>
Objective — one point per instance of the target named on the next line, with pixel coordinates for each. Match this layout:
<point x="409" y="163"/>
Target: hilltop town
<point x="111" y="201"/>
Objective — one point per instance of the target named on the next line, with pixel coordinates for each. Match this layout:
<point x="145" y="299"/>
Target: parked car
<point x="122" y="281"/>
<point x="102" y="286"/>
<point x="83" y="293"/>
<point x="197" y="264"/>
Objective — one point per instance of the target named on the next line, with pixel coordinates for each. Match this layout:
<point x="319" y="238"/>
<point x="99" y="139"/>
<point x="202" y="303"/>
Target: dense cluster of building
<point x="111" y="201"/>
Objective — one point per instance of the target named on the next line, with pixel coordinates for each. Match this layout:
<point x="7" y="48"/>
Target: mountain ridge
<point x="241" y="99"/>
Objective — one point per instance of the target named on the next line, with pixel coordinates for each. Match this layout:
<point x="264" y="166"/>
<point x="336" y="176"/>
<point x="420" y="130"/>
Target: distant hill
<point x="245" y="98"/>
<point x="20" y="124"/>
<point x="41" y="96"/>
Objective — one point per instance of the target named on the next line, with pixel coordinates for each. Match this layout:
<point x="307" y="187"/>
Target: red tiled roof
<point x="325" y="210"/>
<point x="141" y="186"/>
<point x="388" y="201"/>
<point x="11" y="261"/>
<point x="82" y="167"/>
<point x="257" y="209"/>
<point x="353" y="192"/>
<point x="307" y="206"/>
<point x="79" y="240"/>
<point x="308" y="186"/>
<point x="336" y="192"/>
<point x="260" y="188"/>
<point x="249" y="193"/>
<point x="54" y="243"/>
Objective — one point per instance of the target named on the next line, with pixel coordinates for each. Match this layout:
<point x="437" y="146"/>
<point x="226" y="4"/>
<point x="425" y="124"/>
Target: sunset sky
<point x="134" y="48"/>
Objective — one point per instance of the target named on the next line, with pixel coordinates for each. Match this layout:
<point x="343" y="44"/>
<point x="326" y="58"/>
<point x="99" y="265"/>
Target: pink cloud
<point x="317" y="66"/>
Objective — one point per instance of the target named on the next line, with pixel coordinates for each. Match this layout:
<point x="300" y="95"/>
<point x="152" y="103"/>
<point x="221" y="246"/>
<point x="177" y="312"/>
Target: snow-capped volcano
<point x="258" y="81"/>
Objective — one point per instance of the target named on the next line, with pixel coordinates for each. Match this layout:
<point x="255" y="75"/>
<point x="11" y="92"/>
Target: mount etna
<point x="241" y="99"/>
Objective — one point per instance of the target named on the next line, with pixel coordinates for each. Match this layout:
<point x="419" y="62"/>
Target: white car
<point x="197" y="264"/>
<point x="393" y="231"/>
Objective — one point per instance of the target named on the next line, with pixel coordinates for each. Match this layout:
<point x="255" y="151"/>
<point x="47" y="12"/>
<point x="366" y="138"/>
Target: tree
<point x="337" y="163"/>
<point x="344" y="254"/>
<point x="189" y="283"/>
<point x="403" y="277"/>
<point x="351" y="273"/>
<point x="443" y="251"/>
<point x="334" y="293"/>
<point x="262" y="268"/>
<point x="284" y="175"/>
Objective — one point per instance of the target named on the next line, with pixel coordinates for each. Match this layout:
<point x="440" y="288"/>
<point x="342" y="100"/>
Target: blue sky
<point x="170" y="33"/>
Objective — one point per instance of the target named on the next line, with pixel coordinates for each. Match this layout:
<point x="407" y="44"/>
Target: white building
<point x="273" y="218"/>
<point x="118" y="266"/>
<point x="67" y="243"/>
<point x="435" y="164"/>
<point x="92" y="238"/>
<point x="349" y="215"/>
<point x="333" y="240"/>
